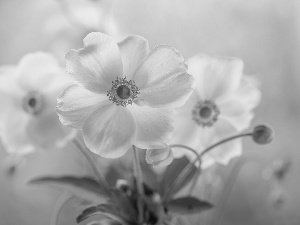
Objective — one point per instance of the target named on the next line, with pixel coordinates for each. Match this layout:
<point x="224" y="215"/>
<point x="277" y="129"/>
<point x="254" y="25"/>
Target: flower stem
<point x="235" y="171"/>
<point x="223" y="141"/>
<point x="188" y="168"/>
<point x="139" y="183"/>
<point x="100" y="177"/>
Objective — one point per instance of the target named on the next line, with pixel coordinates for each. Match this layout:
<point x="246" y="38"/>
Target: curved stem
<point x="61" y="202"/>
<point x="187" y="169"/>
<point x="223" y="141"/>
<point x="100" y="177"/>
<point x="178" y="181"/>
<point x="139" y="183"/>
<point x="229" y="187"/>
<point x="199" y="166"/>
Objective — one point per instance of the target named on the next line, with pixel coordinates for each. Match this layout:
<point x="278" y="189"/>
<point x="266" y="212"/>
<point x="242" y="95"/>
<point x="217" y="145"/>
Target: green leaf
<point x="173" y="171"/>
<point x="187" y="205"/>
<point x="83" y="187"/>
<point x="103" y="209"/>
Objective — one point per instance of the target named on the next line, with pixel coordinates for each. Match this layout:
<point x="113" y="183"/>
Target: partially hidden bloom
<point x="123" y="94"/>
<point x="159" y="157"/>
<point x="221" y="106"/>
<point x="28" y="97"/>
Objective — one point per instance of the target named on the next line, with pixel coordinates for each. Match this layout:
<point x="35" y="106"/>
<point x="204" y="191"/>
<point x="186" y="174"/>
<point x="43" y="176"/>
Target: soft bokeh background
<point x="264" y="33"/>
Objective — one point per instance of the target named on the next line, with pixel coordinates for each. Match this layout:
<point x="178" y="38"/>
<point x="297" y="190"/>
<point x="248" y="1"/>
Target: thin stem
<point x="100" y="177"/>
<point x="60" y="203"/>
<point x="223" y="141"/>
<point x="188" y="168"/>
<point x="178" y="181"/>
<point x="139" y="183"/>
<point x="199" y="166"/>
<point x="229" y="186"/>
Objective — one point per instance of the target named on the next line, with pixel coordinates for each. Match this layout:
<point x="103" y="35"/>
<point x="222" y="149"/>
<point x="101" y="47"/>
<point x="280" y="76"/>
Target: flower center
<point x="33" y="103"/>
<point x="123" y="92"/>
<point x="205" y="113"/>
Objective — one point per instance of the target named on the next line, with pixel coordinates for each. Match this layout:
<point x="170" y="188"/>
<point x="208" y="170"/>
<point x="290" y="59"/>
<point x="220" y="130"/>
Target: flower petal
<point x="159" y="157"/>
<point x="134" y="49"/>
<point x="154" y="126"/>
<point x="46" y="131"/>
<point x="237" y="108"/>
<point x="76" y="104"/>
<point x="225" y="152"/>
<point x="97" y="64"/>
<point x="215" y="76"/>
<point x="37" y="70"/>
<point x="110" y="131"/>
<point x="186" y="130"/>
<point x="13" y="131"/>
<point x="162" y="79"/>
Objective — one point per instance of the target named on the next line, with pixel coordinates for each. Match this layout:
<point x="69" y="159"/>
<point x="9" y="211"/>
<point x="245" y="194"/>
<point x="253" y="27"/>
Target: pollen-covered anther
<point x="33" y="103"/>
<point x="205" y="113"/>
<point x="123" y="92"/>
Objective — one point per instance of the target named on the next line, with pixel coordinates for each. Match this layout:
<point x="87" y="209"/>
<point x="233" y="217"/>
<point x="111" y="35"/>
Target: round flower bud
<point x="262" y="134"/>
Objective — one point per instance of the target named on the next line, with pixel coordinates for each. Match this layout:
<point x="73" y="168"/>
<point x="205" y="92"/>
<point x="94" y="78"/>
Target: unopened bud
<point x="159" y="157"/>
<point x="262" y="134"/>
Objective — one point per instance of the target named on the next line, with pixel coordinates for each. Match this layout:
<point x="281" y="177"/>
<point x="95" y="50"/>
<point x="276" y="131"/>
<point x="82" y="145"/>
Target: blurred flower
<point x="123" y="94"/>
<point x="220" y="106"/>
<point x="28" y="97"/>
<point x="75" y="20"/>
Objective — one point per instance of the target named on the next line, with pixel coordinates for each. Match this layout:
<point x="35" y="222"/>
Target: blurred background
<point x="265" y="34"/>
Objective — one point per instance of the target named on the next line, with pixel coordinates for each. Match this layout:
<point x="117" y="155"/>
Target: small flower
<point x="262" y="134"/>
<point x="27" y="94"/>
<point x="159" y="157"/>
<point x="220" y="106"/>
<point x="123" y="94"/>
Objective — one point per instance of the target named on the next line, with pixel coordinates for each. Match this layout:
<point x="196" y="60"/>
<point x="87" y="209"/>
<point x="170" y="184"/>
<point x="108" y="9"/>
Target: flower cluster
<point x="123" y="96"/>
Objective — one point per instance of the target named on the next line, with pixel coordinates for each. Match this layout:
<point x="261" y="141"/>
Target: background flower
<point x="123" y="94"/>
<point x="220" y="106"/>
<point x="28" y="96"/>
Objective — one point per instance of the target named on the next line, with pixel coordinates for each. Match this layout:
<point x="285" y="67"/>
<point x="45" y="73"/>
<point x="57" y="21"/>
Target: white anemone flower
<point x="123" y="94"/>
<point x="28" y="97"/>
<point x="221" y="105"/>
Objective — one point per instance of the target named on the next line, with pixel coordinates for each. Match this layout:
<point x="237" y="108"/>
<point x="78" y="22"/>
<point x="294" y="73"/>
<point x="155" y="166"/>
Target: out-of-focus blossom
<point x="75" y="20"/>
<point x="220" y="106"/>
<point x="28" y="98"/>
<point x="123" y="94"/>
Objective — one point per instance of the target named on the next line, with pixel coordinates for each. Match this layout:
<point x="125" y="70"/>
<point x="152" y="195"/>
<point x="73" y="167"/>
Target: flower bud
<point x="262" y="134"/>
<point x="159" y="157"/>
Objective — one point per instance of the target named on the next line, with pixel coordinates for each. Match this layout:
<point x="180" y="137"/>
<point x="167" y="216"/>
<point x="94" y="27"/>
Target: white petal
<point x="76" y="104"/>
<point x="186" y="130"/>
<point x="97" y="64"/>
<point x="237" y="108"/>
<point x="13" y="131"/>
<point x="215" y="76"/>
<point x="163" y="79"/>
<point x="37" y="71"/>
<point x="159" y="157"/>
<point x="154" y="126"/>
<point x="224" y="152"/>
<point x="46" y="131"/>
<point x="109" y="131"/>
<point x="133" y="49"/>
